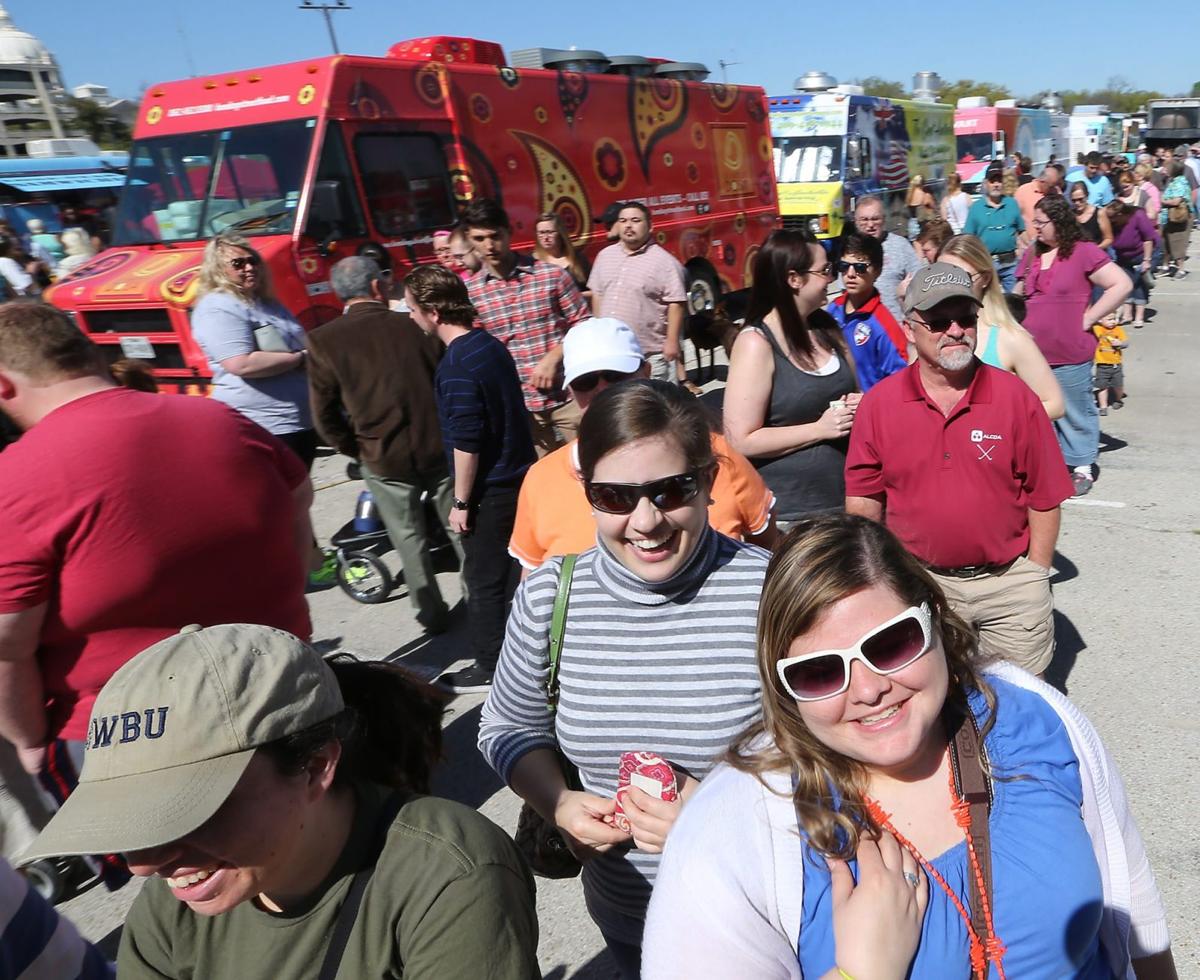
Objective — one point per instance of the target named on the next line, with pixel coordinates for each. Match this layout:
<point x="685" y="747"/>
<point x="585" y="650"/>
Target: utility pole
<point x="326" y="8"/>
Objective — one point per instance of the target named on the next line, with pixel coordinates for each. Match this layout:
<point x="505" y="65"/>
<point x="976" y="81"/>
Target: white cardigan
<point x="729" y="894"/>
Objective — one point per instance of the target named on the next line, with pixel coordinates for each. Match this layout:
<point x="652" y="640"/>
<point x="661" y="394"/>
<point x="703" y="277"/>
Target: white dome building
<point x="31" y="90"/>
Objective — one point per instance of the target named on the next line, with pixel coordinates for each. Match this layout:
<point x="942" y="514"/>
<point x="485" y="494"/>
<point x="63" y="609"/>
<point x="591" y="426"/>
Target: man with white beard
<point x="960" y="461"/>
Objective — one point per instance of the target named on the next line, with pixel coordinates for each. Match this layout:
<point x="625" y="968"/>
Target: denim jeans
<point x="1078" y="430"/>
<point x="1006" y="275"/>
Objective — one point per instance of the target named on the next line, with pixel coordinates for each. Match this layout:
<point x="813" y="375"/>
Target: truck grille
<point x="796" y="222"/>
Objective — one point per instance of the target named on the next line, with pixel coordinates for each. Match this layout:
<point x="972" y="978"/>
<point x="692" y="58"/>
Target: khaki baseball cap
<point x="937" y="282"/>
<point x="174" y="729"/>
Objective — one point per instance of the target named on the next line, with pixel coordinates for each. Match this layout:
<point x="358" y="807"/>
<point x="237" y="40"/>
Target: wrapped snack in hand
<point x="650" y="773"/>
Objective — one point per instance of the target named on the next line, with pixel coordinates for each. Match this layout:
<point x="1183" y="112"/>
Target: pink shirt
<point x="636" y="287"/>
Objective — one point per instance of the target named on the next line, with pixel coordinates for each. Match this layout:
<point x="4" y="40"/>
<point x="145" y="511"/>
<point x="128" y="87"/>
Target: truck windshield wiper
<point x="265" y="219"/>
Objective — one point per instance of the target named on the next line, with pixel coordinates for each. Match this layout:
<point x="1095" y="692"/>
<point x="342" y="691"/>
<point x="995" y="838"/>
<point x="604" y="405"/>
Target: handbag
<point x="537" y="838"/>
<point x="1178" y="214"/>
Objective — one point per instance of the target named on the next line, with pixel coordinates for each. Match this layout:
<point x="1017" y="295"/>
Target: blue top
<point x="1047" y="898"/>
<point x="991" y="353"/>
<point x="875" y="356"/>
<point x="997" y="226"/>
<point x="481" y="409"/>
<point x="1100" y="190"/>
<point x="224" y="326"/>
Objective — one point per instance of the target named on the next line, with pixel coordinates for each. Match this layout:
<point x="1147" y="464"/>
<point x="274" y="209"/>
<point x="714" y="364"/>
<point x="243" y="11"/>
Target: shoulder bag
<point x="974" y="787"/>
<point x="537" y="838"/>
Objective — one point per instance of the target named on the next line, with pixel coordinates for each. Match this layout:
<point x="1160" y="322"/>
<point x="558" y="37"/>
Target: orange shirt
<point x="554" y="517"/>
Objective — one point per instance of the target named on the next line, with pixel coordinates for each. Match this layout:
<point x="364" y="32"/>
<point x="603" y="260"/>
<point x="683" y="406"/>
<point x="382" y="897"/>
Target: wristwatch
<point x="460" y="504"/>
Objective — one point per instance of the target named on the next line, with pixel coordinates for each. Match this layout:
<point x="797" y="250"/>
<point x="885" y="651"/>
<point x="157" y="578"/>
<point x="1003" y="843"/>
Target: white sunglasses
<point x="889" y="647"/>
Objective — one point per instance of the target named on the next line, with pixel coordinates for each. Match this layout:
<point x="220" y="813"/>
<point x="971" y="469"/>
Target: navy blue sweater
<point x="482" y="409"/>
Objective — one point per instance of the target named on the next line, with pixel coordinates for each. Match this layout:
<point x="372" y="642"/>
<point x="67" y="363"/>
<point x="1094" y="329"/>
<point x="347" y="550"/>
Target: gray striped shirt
<point x="667" y="668"/>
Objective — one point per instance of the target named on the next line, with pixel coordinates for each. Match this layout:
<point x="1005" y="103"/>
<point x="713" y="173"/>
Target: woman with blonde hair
<point x="956" y="203"/>
<point x="1001" y="341"/>
<point x="552" y="244"/>
<point x="901" y="810"/>
<point x="254" y="346"/>
<point x="921" y="204"/>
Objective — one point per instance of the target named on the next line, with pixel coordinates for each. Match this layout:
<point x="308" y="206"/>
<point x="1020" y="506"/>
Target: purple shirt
<point x="1055" y="300"/>
<point x="1129" y="240"/>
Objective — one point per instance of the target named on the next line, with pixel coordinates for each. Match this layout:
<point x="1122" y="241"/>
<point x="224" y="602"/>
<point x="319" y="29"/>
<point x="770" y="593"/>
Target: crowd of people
<point x="32" y="260"/>
<point x="769" y="679"/>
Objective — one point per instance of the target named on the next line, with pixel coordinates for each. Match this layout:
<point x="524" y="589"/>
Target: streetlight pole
<point x="326" y="9"/>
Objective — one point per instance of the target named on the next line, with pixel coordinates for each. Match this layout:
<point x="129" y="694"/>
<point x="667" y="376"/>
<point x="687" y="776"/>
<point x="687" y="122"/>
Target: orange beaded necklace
<point x="982" y="952"/>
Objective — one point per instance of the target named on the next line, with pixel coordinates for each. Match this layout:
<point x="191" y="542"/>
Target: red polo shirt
<point x="957" y="489"/>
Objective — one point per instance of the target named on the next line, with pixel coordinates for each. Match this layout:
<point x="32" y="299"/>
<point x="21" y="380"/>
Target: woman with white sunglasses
<point x="657" y="655"/>
<point x="855" y="833"/>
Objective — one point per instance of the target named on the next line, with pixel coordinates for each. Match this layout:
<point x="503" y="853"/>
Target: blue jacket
<point x="869" y="339"/>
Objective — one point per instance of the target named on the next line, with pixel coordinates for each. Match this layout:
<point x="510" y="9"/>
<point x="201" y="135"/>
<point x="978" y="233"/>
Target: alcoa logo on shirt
<point x="129" y="726"/>
<point x="978" y="436"/>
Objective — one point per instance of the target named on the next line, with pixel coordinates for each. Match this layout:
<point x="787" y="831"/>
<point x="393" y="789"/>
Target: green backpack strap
<point x="558" y="626"/>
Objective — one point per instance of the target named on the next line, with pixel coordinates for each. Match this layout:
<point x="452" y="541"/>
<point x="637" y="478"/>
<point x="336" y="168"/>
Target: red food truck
<point x="310" y="160"/>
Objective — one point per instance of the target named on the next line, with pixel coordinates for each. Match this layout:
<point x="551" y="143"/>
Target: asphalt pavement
<point x="1126" y="577"/>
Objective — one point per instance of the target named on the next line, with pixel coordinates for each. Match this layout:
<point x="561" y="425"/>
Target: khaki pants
<point x="403" y="514"/>
<point x="554" y="427"/>
<point x="1013" y="611"/>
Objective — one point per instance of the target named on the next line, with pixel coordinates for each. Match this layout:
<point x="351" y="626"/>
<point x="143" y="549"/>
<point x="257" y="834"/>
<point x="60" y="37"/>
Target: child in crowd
<point x="873" y="336"/>
<point x="1110" y="375"/>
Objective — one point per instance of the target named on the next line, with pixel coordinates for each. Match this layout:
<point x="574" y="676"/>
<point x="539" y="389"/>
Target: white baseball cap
<point x="602" y="343"/>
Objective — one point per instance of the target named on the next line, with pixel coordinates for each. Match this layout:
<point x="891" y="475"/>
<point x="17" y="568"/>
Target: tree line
<point x="1117" y="93"/>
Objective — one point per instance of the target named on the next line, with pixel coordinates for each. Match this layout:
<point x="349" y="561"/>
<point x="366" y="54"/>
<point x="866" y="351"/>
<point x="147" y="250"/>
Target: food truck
<point x="1170" y="122"/>
<point x="1094" y="128"/>
<point x="984" y="134"/>
<point x="836" y="145"/>
<point x="313" y="159"/>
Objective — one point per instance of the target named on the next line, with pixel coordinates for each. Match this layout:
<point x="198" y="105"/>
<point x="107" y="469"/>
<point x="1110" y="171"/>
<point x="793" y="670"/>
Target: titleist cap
<point x="937" y="282"/>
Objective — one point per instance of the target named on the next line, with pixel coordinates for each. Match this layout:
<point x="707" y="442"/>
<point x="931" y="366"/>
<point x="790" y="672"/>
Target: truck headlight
<point x="814" y="225"/>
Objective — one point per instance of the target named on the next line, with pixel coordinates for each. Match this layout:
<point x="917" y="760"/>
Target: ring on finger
<point x="911" y="878"/>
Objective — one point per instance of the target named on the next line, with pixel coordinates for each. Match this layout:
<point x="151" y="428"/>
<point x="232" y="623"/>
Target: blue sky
<point x="127" y="44"/>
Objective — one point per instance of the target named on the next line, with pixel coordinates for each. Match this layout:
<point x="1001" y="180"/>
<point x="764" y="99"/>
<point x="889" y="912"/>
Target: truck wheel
<point x="703" y="287"/>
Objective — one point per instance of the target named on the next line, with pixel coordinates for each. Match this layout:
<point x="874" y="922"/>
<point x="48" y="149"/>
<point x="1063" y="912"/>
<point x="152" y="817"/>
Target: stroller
<point x="360" y="543"/>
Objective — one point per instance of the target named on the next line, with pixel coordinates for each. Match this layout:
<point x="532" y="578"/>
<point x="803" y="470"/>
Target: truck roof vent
<point x="1052" y="101"/>
<point x="449" y="51"/>
<point x="815" y="81"/>
<point x="561" y="59"/>
<point x="1090" y="110"/>
<point x="682" y="71"/>
<point x="926" y="85"/>
<point x="633" y="65"/>
<point x="973" y="102"/>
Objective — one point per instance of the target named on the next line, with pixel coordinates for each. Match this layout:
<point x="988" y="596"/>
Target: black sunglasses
<point x="666" y="494"/>
<point x="586" y="382"/>
<point x="940" y="324"/>
<point x="241" y="262"/>
<point x="860" y="268"/>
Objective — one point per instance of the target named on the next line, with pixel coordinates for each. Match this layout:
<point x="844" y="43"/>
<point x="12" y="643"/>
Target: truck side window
<point x="868" y="167"/>
<point x="334" y="178"/>
<point x="405" y="181"/>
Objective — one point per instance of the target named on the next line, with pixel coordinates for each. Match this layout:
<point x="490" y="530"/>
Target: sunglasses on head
<point x="940" y="324"/>
<point x="241" y="262"/>
<point x="861" y="268"/>
<point x="587" y="382"/>
<point x="889" y="647"/>
<point x="666" y="494"/>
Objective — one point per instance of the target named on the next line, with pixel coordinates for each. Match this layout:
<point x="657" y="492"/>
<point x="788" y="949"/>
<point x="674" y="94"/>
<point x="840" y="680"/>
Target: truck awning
<point x="62" y="182"/>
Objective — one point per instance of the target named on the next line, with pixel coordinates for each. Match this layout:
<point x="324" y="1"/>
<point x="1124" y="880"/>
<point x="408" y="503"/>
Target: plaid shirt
<point x="530" y="312"/>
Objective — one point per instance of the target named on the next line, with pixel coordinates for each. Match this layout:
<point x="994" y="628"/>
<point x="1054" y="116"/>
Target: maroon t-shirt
<point x="133" y="515"/>
<point x="1055" y="300"/>
<point x="957" y="489"/>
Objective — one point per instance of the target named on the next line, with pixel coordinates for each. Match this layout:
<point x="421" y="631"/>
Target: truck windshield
<point x="807" y="159"/>
<point x="974" y="147"/>
<point x="196" y="185"/>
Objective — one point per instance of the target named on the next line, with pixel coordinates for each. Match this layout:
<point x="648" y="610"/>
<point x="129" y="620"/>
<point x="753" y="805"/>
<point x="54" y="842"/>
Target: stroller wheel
<point x="45" y="879"/>
<point x="364" y="577"/>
